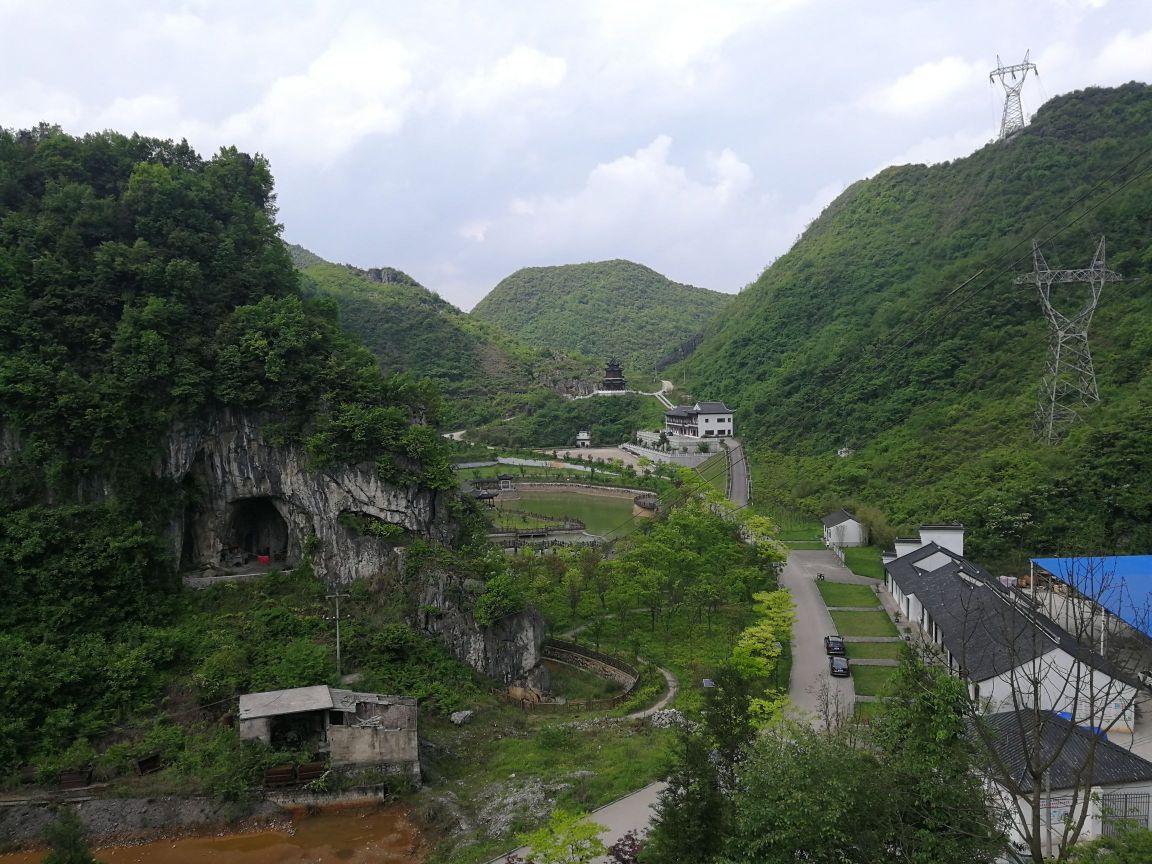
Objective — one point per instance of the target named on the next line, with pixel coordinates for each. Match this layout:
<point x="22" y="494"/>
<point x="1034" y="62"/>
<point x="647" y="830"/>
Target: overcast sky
<point x="462" y="141"/>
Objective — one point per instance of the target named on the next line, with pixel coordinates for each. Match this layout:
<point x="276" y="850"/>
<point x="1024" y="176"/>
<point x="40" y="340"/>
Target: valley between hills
<point x="282" y="534"/>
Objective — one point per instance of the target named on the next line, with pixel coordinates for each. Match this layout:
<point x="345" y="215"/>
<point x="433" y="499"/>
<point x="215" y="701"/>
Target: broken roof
<point x="300" y="700"/>
<point x="1079" y="757"/>
<point x="295" y="701"/>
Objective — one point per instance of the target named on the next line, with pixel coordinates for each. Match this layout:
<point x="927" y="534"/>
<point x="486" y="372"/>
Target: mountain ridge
<point x="867" y="334"/>
<point x="600" y="309"/>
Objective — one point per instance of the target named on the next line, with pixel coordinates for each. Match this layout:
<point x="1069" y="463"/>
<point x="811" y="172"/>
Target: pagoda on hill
<point x="613" y="377"/>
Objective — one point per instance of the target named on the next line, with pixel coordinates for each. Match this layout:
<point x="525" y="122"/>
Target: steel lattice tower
<point x="1070" y="380"/>
<point x="1013" y="119"/>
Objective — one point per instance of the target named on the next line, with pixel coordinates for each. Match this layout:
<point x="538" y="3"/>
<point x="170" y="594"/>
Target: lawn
<point x="874" y="650"/>
<point x="577" y="684"/>
<point x="715" y="471"/>
<point x="867" y="710"/>
<point x="691" y="651"/>
<point x="871" y="680"/>
<point x="864" y="624"/>
<point x="841" y="594"/>
<point x="864" y="561"/>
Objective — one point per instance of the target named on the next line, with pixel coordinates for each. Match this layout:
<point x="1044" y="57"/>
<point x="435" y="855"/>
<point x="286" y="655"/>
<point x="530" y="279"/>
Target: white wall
<point x="951" y="539"/>
<point x="1092" y="697"/>
<point x="848" y="533"/>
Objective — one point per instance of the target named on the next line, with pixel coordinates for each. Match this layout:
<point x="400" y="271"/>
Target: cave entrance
<point x="256" y="528"/>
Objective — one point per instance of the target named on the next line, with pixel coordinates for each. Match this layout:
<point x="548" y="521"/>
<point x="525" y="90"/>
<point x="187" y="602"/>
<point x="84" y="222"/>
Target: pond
<point x="608" y="514"/>
<point x="385" y="835"/>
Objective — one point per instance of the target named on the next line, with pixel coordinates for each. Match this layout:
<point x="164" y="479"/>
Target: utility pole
<point x="336" y="597"/>
<point x="1070" y="379"/>
<point x="1013" y="119"/>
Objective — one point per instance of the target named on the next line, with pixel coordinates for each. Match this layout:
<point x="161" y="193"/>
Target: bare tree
<point x="1038" y="683"/>
<point x="1029" y="657"/>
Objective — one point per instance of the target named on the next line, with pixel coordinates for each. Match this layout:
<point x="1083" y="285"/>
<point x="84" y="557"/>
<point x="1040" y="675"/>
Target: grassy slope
<point x="412" y="329"/>
<point x="600" y="309"/>
<point x="852" y="338"/>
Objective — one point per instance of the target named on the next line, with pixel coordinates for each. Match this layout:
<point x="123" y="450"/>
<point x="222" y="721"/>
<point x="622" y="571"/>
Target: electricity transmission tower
<point x="1069" y="380"/>
<point x="1013" y="119"/>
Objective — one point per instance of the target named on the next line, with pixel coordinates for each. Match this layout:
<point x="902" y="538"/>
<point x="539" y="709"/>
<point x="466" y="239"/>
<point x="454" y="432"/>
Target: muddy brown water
<point x="382" y="836"/>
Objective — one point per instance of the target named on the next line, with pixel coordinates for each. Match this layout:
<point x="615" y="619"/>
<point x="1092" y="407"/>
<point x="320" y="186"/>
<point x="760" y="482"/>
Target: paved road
<point x="809" y="662"/>
<point x="739" y="488"/>
<point x="630" y="813"/>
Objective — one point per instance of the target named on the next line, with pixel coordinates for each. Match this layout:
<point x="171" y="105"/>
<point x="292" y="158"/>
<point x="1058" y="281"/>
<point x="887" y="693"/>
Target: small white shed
<point x="843" y="529"/>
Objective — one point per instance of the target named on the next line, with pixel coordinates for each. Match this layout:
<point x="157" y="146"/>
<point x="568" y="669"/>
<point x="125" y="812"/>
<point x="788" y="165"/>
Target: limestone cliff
<point x="245" y="496"/>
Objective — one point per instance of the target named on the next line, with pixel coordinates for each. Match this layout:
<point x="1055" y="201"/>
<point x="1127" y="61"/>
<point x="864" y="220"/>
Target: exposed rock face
<point x="509" y="651"/>
<point x="248" y="496"/>
<point x="245" y="493"/>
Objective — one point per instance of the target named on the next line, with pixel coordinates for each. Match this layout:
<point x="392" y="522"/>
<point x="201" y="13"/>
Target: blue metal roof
<point x="1122" y="584"/>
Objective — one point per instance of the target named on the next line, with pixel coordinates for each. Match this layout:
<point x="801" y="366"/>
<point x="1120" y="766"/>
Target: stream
<point x="386" y="835"/>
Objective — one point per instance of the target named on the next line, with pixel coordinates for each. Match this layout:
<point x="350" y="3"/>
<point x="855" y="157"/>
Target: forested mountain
<point x="482" y="374"/>
<point x="142" y="290"/>
<point x="608" y="308"/>
<point x="893" y="327"/>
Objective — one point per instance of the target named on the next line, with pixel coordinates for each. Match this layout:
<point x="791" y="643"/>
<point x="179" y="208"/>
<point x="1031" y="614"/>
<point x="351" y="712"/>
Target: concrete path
<point x="810" y="679"/>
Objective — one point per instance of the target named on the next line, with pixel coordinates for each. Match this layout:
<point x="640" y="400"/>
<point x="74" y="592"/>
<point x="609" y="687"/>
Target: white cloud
<point x="927" y="86"/>
<point x="25" y="103"/>
<point x="476" y="230"/>
<point x="521" y="71"/>
<point x="360" y="85"/>
<point x="1128" y="56"/>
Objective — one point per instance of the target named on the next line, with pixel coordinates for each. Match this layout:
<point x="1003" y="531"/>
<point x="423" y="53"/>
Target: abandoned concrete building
<point x="352" y="729"/>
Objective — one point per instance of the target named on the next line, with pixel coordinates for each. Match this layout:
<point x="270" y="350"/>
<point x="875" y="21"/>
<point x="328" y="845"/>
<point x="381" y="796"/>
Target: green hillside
<point x="482" y="374"/>
<point x="868" y="334"/>
<point x="609" y="308"/>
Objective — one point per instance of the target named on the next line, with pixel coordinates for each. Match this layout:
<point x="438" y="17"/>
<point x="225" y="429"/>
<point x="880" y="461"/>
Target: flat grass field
<point x="841" y="594"/>
<point x="864" y="561"/>
<point x="874" y="650"/>
<point x="864" y="624"/>
<point x="871" y="680"/>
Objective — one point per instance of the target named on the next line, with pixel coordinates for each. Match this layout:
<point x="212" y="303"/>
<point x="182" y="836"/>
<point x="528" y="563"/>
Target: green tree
<point x="66" y="840"/>
<point x="940" y="809"/>
<point x="567" y="838"/>
<point x="692" y="814"/>
<point x="800" y="789"/>
<point x="1129" y="847"/>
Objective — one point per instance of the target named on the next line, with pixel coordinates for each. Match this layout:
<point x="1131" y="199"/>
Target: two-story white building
<point x="702" y="420"/>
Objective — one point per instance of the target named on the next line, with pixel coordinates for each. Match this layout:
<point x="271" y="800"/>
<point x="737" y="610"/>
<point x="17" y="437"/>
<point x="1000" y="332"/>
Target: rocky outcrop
<point x="508" y="651"/>
<point x="246" y="495"/>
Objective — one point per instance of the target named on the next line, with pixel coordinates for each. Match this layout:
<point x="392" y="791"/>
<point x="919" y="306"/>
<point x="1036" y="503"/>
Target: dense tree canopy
<point x="141" y="285"/>
<point x="603" y="309"/>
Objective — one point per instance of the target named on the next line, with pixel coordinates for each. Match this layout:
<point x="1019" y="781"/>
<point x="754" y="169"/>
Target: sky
<point x="461" y="141"/>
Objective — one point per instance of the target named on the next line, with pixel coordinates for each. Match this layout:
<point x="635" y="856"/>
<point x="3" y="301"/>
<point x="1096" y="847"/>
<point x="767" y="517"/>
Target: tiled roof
<point x="713" y="408"/>
<point x="1079" y="758"/>
<point x="834" y="519"/>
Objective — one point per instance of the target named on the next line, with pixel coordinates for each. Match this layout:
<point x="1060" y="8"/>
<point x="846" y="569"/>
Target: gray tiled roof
<point x="713" y="408"/>
<point x="987" y="628"/>
<point x="1079" y="758"/>
<point x="834" y="519"/>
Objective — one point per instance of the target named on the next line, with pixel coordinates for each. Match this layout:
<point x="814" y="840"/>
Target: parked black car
<point x="834" y="644"/>
<point x="838" y="666"/>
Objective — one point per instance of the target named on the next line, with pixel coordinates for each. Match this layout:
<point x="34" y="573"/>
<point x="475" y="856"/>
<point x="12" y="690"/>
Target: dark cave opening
<point x="255" y="527"/>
